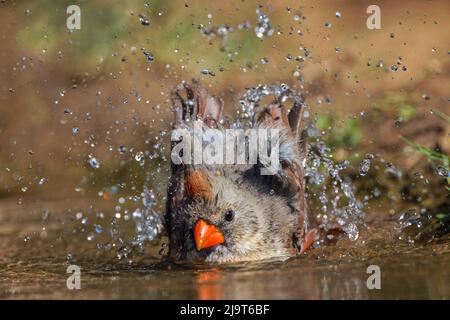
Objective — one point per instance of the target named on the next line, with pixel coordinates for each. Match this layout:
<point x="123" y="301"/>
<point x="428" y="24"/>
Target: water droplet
<point x="263" y="26"/>
<point x="365" y="165"/>
<point x="426" y="96"/>
<point x="43" y="234"/>
<point x="149" y="56"/>
<point x="93" y="162"/>
<point x="45" y="214"/>
<point x="207" y="72"/>
<point x="443" y="172"/>
<point x="98" y="228"/>
<point x="144" y="20"/>
<point x="409" y="218"/>
<point x="376" y="192"/>
<point x="139" y="156"/>
<point x="244" y="26"/>
<point x="352" y="231"/>
<point x="137" y="214"/>
<point x="122" y="149"/>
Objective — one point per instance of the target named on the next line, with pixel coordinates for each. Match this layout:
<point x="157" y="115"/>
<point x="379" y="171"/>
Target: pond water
<point x="33" y="266"/>
<point x="85" y="152"/>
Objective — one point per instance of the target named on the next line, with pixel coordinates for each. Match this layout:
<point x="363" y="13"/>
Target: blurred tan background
<point x="67" y="95"/>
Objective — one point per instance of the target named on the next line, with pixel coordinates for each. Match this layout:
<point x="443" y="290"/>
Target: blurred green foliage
<point x="109" y="48"/>
<point x="398" y="103"/>
<point x="109" y="29"/>
<point x="340" y="133"/>
<point x="433" y="156"/>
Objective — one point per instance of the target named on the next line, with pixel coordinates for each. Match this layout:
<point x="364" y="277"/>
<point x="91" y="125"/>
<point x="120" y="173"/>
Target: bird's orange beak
<point x="207" y="235"/>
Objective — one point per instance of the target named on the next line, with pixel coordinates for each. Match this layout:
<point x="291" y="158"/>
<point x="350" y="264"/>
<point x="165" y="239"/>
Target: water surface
<point x="34" y="267"/>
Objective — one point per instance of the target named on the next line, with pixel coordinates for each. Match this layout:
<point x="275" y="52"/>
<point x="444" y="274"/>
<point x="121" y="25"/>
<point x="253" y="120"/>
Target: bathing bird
<point x="230" y="213"/>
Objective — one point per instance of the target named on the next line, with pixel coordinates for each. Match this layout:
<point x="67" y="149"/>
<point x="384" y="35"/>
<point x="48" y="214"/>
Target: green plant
<point x="434" y="156"/>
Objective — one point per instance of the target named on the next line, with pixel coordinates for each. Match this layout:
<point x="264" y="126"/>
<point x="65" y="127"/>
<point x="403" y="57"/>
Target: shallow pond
<point x="34" y="267"/>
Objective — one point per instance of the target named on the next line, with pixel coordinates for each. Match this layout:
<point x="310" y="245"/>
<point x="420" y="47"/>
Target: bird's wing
<point x="190" y="102"/>
<point x="293" y="150"/>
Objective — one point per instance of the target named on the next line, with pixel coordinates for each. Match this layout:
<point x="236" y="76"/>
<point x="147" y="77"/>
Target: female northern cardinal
<point x="232" y="213"/>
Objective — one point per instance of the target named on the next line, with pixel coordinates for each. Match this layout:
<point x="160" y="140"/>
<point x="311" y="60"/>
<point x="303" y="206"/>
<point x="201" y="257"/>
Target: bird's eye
<point x="229" y="215"/>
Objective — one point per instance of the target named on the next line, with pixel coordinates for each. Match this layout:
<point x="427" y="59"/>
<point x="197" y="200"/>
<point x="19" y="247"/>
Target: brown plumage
<point x="232" y="213"/>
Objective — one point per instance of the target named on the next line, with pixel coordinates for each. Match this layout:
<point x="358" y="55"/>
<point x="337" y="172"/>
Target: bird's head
<point x="220" y="221"/>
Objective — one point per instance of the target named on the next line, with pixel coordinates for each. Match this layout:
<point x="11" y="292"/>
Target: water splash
<point x="413" y="225"/>
<point x="365" y="165"/>
<point x="339" y="205"/>
<point x="222" y="31"/>
<point x="148" y="223"/>
<point x="443" y="172"/>
<point x="253" y="97"/>
<point x="263" y="25"/>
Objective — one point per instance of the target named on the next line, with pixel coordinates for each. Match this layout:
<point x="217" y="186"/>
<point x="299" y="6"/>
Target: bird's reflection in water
<point x="209" y="285"/>
<point x="314" y="283"/>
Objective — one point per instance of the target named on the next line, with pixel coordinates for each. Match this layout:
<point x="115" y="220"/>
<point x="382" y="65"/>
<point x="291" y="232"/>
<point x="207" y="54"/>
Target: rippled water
<point x="35" y="266"/>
